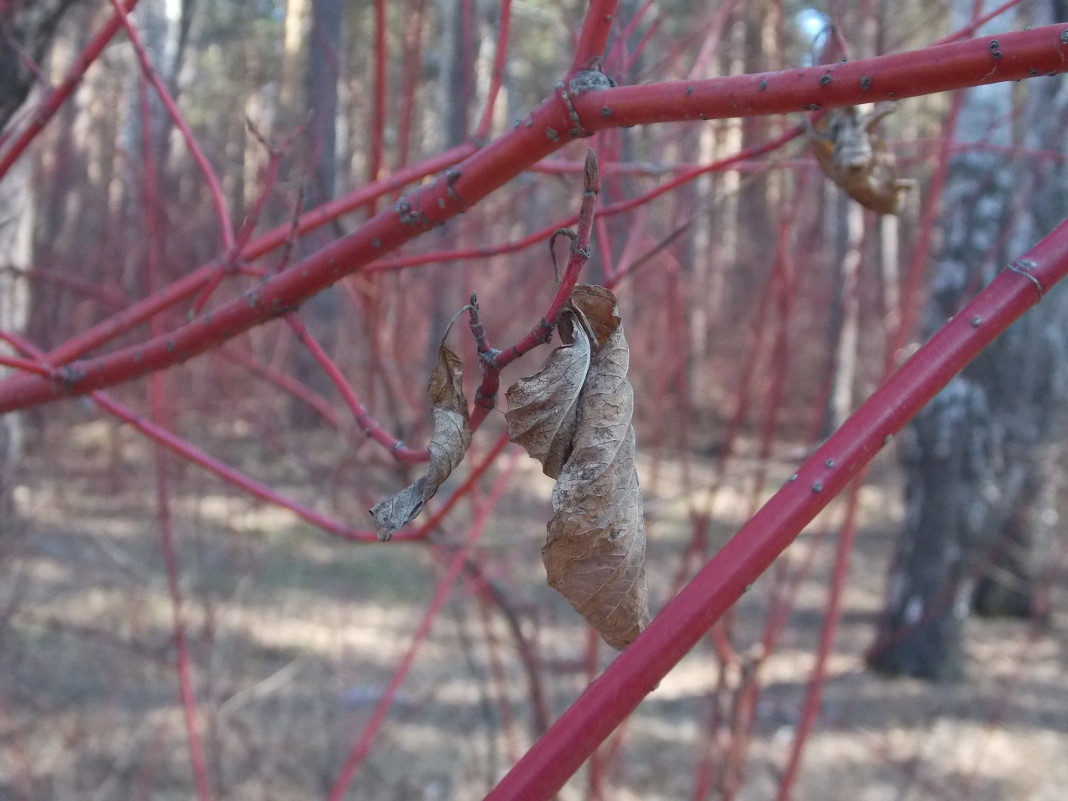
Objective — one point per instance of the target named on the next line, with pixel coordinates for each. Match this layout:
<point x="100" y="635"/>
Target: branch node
<point x="580" y="83"/>
<point x="543" y="332"/>
<point x="1025" y="267"/>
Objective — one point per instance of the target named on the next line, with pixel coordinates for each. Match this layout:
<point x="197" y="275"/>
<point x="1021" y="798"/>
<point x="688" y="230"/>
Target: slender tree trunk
<point x="324" y="53"/>
<point x="26" y="32"/>
<point x="324" y="57"/>
<point x="845" y="333"/>
<point x="16" y="252"/>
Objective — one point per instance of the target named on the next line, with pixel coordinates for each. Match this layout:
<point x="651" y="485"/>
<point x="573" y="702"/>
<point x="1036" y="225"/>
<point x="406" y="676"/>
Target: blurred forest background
<point x="192" y="601"/>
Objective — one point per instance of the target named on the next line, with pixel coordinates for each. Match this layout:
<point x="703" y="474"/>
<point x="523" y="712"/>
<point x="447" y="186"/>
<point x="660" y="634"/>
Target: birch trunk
<point x="980" y="460"/>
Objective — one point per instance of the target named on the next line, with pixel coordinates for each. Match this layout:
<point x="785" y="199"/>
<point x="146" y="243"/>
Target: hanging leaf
<point x="452" y="435"/>
<point x="855" y="158"/>
<point x="542" y="408"/>
<point x="596" y="307"/>
<point x="595" y="551"/>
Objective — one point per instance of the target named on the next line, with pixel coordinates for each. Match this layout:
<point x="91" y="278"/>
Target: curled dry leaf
<point x="596" y="307"/>
<point x="543" y="408"/>
<point x="595" y="551"/>
<point x="452" y="435"/>
<point x="855" y="158"/>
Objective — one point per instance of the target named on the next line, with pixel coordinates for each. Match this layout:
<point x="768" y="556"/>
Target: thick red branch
<point x="189" y="285"/>
<point x="1005" y="57"/>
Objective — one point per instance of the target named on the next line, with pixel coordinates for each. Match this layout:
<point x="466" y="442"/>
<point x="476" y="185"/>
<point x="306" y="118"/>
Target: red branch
<point x="188" y="286"/>
<point x="600" y="15"/>
<point x="191" y="453"/>
<point x="723" y="580"/>
<point x="364" y="422"/>
<point x="222" y="212"/>
<point x="493" y="360"/>
<point x="362" y="746"/>
<point x="500" y="53"/>
<point x="976" y="62"/>
<point x="561" y="117"/>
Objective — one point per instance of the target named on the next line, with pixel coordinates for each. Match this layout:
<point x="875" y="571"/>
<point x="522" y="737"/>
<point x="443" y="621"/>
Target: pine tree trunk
<point x="324" y="54"/>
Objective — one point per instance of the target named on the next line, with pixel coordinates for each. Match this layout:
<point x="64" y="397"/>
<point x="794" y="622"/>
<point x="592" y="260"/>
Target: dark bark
<point x="26" y="31"/>
<point x="324" y="59"/>
<point x="947" y="455"/>
<point x="325" y="55"/>
<point x="1024" y="377"/>
<point x="458" y="49"/>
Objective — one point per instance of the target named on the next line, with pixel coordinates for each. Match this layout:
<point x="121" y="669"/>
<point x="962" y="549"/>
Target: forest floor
<point x="294" y="635"/>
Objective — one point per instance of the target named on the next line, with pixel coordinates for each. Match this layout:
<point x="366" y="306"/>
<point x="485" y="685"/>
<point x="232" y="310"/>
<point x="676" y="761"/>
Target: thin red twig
<point x="152" y="211"/>
<point x="917" y="265"/>
<point x="494" y="361"/>
<point x="188" y="286"/>
<point x="286" y="383"/>
<point x="191" y="453"/>
<point x="832" y="616"/>
<point x="414" y="26"/>
<point x="232" y="260"/>
<point x="596" y="26"/>
<point x="364" y="421"/>
<point x="226" y="228"/>
<point x="500" y="54"/>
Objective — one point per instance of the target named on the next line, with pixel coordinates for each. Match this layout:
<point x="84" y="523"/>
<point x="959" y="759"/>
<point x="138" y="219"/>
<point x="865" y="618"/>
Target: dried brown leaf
<point x="595" y="552"/>
<point x="596" y="307"/>
<point x="856" y="159"/>
<point x="452" y="435"/>
<point x="542" y="408"/>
